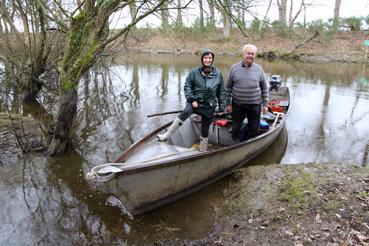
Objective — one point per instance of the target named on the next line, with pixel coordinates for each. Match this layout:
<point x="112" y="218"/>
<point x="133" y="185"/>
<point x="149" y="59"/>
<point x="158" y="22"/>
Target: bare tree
<point x="211" y="4"/>
<point x="164" y="15"/>
<point x="292" y="17"/>
<point x="282" y="11"/>
<point x="26" y="46"/>
<point x="226" y="11"/>
<point x="336" y="14"/>
<point x="133" y="10"/>
<point x="88" y="35"/>
<point x="179" y="21"/>
<point x="226" y="7"/>
<point x="201" y="9"/>
<point x="265" y="16"/>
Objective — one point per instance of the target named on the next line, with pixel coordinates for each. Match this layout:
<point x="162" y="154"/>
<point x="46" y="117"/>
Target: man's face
<point x="207" y="60"/>
<point x="249" y="56"/>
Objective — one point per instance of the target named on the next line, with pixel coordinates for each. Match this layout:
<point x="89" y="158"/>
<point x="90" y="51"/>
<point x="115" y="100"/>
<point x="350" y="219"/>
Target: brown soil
<point x="314" y="204"/>
<point x="341" y="46"/>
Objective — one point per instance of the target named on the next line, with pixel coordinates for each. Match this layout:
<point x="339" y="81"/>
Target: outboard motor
<point x="275" y="82"/>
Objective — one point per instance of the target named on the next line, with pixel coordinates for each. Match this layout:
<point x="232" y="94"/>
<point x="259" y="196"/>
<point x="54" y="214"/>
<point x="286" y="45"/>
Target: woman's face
<point x="207" y="60"/>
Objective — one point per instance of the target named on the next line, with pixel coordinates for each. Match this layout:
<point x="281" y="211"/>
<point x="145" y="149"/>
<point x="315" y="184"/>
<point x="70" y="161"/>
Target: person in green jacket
<point x="204" y="90"/>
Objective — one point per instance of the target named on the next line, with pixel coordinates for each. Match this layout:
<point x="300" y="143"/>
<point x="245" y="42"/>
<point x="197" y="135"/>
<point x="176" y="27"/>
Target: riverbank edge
<point x="270" y="55"/>
<point x="346" y="47"/>
<point x="299" y="204"/>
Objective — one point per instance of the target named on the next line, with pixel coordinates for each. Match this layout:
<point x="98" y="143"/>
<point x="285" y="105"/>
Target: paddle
<point x="178" y="111"/>
<point x="164" y="113"/>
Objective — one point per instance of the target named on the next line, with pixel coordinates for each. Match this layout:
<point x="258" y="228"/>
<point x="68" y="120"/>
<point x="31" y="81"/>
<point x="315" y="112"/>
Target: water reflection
<point x="49" y="201"/>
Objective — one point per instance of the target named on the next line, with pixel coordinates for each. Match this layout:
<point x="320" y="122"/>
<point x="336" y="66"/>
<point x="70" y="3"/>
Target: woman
<point x="204" y="89"/>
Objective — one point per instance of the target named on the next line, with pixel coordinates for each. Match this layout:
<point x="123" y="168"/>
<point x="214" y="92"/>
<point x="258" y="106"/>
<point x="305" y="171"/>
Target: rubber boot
<point x="173" y="127"/>
<point x="203" y="144"/>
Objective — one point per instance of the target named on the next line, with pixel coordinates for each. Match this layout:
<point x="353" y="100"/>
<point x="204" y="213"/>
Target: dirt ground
<point x="338" y="47"/>
<point x="310" y="204"/>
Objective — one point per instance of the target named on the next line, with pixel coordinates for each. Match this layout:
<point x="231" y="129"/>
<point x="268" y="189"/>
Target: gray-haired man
<point x="247" y="93"/>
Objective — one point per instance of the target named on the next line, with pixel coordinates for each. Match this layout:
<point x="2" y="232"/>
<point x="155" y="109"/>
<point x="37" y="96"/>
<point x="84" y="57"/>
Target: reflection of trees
<point x="82" y="210"/>
<point x="341" y="73"/>
<point x="164" y="80"/>
<point x="323" y="118"/>
<point x="51" y="202"/>
<point x="135" y="89"/>
<point x="96" y="104"/>
<point x="179" y="76"/>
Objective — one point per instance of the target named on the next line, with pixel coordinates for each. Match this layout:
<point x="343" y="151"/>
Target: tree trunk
<point x="292" y="19"/>
<point x="67" y="112"/>
<point x="265" y="16"/>
<point x="202" y="26"/>
<point x="133" y="10"/>
<point x="336" y="14"/>
<point x="165" y="16"/>
<point x="212" y="13"/>
<point x="282" y="11"/>
<point x="85" y="36"/>
<point x="224" y="7"/>
<point x="227" y="27"/>
<point x="179" y="21"/>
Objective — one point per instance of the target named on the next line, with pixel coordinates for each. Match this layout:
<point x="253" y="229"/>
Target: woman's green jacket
<point x="207" y="90"/>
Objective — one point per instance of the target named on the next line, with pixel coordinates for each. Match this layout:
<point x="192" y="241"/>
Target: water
<point x="49" y="202"/>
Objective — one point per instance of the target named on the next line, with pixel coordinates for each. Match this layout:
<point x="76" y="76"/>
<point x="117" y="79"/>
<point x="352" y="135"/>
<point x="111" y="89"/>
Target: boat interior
<point x="185" y="141"/>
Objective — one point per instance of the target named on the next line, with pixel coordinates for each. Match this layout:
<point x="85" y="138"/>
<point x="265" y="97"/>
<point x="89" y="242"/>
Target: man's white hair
<point x="249" y="46"/>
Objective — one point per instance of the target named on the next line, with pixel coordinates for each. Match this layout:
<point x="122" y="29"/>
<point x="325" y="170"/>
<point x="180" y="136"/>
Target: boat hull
<point x="153" y="186"/>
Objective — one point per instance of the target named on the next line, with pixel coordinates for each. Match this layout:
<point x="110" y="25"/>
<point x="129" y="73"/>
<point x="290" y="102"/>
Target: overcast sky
<point x="321" y="9"/>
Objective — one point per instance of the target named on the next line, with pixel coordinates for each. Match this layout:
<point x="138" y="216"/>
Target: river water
<point x="49" y="202"/>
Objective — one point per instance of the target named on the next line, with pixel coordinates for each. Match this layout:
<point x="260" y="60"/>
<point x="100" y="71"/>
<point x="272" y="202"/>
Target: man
<point x="246" y="93"/>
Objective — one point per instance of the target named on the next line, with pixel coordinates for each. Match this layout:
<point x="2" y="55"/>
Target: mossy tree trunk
<point x="87" y="37"/>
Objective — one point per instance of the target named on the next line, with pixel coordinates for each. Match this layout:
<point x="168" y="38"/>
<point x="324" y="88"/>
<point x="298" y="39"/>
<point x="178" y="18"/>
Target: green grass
<point x="299" y="190"/>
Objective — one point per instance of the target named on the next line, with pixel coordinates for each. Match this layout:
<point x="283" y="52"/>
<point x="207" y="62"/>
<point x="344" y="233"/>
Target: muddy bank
<point x="325" y="47"/>
<point x="312" y="204"/>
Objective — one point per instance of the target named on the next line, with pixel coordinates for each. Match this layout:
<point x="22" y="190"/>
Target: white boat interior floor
<point x="155" y="151"/>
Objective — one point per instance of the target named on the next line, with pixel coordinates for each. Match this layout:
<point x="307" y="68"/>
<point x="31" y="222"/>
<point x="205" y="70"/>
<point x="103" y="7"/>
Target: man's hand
<point x="229" y="108"/>
<point x="195" y="104"/>
<point x="264" y="110"/>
